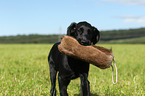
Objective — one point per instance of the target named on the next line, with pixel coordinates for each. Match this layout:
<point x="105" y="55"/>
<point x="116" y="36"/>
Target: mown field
<point x="24" y="71"/>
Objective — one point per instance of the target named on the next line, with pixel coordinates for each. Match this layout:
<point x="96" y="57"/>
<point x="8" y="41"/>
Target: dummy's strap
<point x="113" y="72"/>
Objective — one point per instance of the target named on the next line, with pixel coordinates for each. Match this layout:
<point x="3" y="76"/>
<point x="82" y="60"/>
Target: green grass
<point x="24" y="71"/>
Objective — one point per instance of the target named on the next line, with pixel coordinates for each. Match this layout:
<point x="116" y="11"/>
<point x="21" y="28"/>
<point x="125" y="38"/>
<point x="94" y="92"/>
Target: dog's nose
<point x="85" y="43"/>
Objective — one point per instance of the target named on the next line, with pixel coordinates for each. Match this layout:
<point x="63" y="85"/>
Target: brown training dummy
<point x="98" y="56"/>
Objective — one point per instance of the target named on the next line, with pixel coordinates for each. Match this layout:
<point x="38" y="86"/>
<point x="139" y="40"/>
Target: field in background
<point x="127" y="36"/>
<point x="138" y="40"/>
<point x="24" y="71"/>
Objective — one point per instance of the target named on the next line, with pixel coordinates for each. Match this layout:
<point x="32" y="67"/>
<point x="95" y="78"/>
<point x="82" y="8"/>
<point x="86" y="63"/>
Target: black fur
<point x="68" y="67"/>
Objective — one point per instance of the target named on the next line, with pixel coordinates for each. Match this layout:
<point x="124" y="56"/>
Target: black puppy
<point x="70" y="68"/>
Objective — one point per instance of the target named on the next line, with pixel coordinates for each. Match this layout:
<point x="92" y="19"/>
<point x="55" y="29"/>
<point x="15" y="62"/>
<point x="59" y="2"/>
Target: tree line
<point x="105" y="36"/>
<point x="122" y="34"/>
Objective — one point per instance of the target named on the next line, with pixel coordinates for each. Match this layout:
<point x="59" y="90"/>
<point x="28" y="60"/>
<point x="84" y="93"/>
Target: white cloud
<point x="133" y="19"/>
<point x="129" y="2"/>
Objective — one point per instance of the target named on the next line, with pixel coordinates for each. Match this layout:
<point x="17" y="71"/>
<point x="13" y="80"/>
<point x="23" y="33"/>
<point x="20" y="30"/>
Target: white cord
<point x="113" y="72"/>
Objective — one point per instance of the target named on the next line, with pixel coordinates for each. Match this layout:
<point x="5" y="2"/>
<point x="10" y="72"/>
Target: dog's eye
<point x="89" y="31"/>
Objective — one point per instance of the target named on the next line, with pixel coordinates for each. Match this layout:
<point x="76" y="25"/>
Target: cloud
<point x="129" y="2"/>
<point x="133" y="19"/>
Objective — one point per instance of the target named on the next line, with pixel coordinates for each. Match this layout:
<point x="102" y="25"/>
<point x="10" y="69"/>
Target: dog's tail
<point x="113" y="71"/>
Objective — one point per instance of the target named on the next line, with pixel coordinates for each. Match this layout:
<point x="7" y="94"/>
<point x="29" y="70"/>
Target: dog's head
<point x="84" y="33"/>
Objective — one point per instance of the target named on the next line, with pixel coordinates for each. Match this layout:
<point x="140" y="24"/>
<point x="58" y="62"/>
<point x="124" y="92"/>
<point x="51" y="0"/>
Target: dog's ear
<point x="71" y="29"/>
<point x="96" y="36"/>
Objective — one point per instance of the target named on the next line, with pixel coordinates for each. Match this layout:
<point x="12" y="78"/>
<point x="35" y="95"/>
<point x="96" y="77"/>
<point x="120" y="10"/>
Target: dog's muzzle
<point x="85" y="43"/>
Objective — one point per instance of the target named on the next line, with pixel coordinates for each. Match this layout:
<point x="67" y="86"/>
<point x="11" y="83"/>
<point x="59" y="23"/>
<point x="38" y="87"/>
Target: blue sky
<point x="49" y="16"/>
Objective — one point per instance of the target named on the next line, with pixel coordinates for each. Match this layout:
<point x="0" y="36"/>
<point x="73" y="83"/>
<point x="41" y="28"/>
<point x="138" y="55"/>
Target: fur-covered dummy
<point x="98" y="56"/>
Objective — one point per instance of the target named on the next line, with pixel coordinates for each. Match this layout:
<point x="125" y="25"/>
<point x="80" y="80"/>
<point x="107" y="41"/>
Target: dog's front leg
<point x="85" y="85"/>
<point x="63" y="83"/>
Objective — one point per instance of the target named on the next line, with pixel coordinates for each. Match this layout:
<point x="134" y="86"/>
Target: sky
<point x="23" y="17"/>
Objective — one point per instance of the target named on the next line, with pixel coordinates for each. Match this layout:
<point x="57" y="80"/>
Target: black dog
<point x="70" y="68"/>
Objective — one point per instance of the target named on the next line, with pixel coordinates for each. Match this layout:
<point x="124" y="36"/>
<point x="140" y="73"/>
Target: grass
<point x="24" y="71"/>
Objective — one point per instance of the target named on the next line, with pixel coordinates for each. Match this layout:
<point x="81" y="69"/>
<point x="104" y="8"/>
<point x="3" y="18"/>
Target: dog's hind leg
<point x="53" y="73"/>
